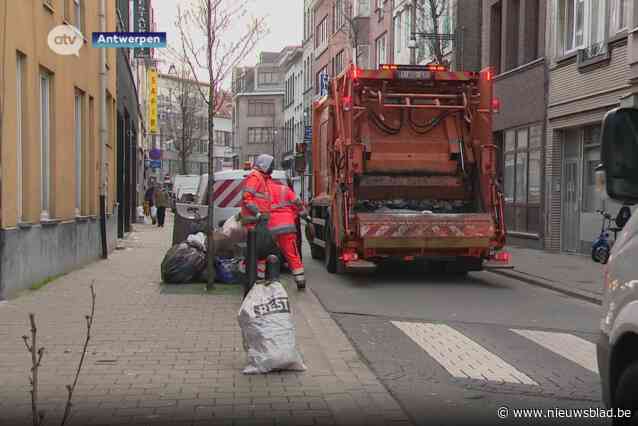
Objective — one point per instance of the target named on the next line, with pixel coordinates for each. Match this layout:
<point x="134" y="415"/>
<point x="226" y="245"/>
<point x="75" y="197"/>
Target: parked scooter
<point x="601" y="247"/>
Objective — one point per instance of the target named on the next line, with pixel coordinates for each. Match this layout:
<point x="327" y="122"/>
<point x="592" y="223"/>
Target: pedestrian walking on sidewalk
<point x="162" y="202"/>
<point x="285" y="208"/>
<point x="149" y="196"/>
<point x="256" y="199"/>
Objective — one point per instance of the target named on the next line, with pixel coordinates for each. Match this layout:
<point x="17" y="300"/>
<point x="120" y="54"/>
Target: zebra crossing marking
<point x="461" y="356"/>
<point x="574" y="348"/>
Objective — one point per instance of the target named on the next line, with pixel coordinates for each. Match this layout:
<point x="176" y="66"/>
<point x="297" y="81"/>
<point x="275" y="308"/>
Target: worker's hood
<point x="265" y="163"/>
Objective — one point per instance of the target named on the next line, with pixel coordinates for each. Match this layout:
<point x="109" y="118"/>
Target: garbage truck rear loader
<point x="404" y="167"/>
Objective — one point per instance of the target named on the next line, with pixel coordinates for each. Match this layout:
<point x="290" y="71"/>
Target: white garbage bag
<point x="197" y="240"/>
<point x="234" y="230"/>
<point x="268" y="331"/>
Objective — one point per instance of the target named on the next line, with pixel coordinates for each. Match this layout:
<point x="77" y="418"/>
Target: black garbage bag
<point x="182" y="264"/>
<point x="266" y="244"/>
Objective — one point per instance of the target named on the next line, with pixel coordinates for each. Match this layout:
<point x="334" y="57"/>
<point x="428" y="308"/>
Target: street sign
<point x="141" y="24"/>
<point x="152" y="100"/>
<point x="324" y="84"/>
<point x="307" y="136"/>
<point x="155" y="154"/>
<point x="156" y="164"/>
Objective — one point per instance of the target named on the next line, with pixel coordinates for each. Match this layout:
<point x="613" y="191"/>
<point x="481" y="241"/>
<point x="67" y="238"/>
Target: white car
<point x="228" y="190"/>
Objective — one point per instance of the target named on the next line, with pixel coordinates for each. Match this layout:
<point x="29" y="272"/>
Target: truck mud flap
<point x="426" y="231"/>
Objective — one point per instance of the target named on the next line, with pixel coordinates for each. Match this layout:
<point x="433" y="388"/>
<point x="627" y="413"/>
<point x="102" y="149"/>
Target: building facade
<point x="183" y="127"/>
<point x="334" y="25"/>
<point x="514" y="46"/>
<point x="308" y="88"/>
<point x="51" y="149"/>
<point x="258" y="105"/>
<point x="129" y="123"/>
<point x="292" y="65"/>
<point x="589" y="73"/>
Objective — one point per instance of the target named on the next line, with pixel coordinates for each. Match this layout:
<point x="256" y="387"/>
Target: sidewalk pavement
<point x="157" y="356"/>
<point x="572" y="274"/>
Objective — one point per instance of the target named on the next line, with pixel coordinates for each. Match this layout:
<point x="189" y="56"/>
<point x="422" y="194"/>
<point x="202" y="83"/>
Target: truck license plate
<point x="414" y="75"/>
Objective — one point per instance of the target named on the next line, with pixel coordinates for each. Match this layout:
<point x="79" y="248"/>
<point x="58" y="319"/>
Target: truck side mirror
<point x="620" y="154"/>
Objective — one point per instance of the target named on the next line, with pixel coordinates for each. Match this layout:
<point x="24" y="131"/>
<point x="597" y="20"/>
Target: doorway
<point x="570" y="218"/>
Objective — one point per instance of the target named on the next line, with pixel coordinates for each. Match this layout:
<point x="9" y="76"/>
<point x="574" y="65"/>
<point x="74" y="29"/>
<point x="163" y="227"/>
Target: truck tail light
<point x="496" y="105"/>
<point x="349" y="256"/>
<point x="355" y="73"/>
<point x="502" y="257"/>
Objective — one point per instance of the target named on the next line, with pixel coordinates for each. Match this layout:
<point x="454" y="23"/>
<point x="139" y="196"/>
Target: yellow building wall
<point x="27" y="24"/>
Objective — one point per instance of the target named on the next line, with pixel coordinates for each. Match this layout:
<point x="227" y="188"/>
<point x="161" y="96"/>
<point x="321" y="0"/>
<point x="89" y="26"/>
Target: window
<point x="591" y="159"/>
<point x="425" y="23"/>
<point x="362" y="7"/>
<point x="619" y="10"/>
<point x="261" y="109"/>
<point x="378" y="6"/>
<point x="268" y="77"/>
<point x="398" y="34"/>
<point x="338" y="17"/>
<point x="512" y="23"/>
<point x="20" y="92"/>
<point x="79" y="147"/>
<point x="339" y="62"/>
<point x="581" y="23"/>
<point x="380" y="49"/>
<point x="522" y="178"/>
<point x="321" y="36"/>
<point x="258" y="135"/>
<point x="532" y="16"/>
<point x="495" y="37"/>
<point x="407" y="27"/>
<point x="45" y="144"/>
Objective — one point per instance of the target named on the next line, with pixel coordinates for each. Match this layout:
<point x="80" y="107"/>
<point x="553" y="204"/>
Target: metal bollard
<point x="272" y="268"/>
<point x="251" y="261"/>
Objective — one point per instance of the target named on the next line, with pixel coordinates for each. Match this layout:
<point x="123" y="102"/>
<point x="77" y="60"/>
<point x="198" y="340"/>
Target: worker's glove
<point x="304" y="216"/>
<point x="263" y="217"/>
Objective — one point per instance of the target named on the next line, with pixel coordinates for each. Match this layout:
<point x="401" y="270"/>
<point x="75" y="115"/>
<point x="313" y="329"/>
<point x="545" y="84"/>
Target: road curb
<point x="556" y="286"/>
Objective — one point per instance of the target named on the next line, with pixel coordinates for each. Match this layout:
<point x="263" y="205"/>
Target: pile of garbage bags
<point x="268" y="332"/>
<point x="184" y="262"/>
<point x="187" y="262"/>
<point x="413" y="206"/>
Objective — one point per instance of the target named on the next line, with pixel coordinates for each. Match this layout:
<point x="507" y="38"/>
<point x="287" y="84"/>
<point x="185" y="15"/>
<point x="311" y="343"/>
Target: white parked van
<point x="185" y="184"/>
<point x="618" y="343"/>
<point x="228" y="189"/>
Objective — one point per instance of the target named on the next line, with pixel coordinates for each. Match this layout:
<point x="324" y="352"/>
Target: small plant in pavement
<point x="36" y="359"/>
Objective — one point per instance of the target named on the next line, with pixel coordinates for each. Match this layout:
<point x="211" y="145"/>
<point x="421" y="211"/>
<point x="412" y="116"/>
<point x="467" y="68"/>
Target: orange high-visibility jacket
<point x="284" y="209"/>
<point x="256" y="195"/>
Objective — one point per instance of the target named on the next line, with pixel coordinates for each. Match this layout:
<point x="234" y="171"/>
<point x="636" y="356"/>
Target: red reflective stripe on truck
<point x="220" y="187"/>
<point x="233" y="197"/>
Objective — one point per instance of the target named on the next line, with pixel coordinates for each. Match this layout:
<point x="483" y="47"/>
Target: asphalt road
<point x="455" y="350"/>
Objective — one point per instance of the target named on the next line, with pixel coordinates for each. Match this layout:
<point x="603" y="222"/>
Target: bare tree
<point x="211" y="21"/>
<point x="186" y="111"/>
<point x="430" y="14"/>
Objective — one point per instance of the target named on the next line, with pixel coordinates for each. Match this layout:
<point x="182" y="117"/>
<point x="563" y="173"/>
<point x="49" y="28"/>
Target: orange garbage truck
<point x="404" y="167"/>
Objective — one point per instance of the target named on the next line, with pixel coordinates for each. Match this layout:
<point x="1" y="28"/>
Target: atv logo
<point x="278" y="305"/>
